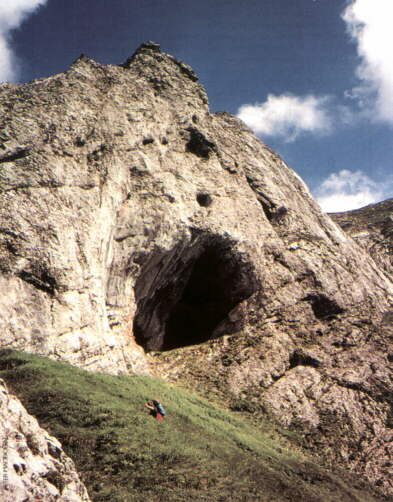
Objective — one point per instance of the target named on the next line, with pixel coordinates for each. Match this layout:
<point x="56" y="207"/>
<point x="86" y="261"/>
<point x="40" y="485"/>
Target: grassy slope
<point x="199" y="453"/>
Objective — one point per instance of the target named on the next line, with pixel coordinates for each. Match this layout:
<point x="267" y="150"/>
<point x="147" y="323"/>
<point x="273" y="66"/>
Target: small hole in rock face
<point x="323" y="307"/>
<point x="204" y="199"/>
<point x="199" y="145"/>
<point x="80" y="141"/>
<point x="148" y="140"/>
<point x="298" y="358"/>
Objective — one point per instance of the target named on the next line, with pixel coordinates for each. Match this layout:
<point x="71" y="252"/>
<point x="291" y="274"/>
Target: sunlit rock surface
<point x="140" y="232"/>
<point x="372" y="228"/>
<point x="34" y="466"/>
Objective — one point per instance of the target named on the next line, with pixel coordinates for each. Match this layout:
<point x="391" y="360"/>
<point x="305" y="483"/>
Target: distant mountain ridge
<point x="372" y="228"/>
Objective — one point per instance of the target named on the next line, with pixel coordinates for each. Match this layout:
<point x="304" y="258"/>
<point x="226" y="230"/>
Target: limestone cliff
<point x="140" y="232"/>
<point x="372" y="228"/>
<point x="33" y="464"/>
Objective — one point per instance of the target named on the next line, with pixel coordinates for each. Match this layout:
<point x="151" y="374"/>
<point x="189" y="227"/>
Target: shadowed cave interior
<point x="184" y="297"/>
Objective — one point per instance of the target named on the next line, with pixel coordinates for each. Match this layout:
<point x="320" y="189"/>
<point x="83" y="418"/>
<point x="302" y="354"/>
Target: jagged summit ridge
<point x="154" y="49"/>
<point x="134" y="222"/>
<point x="149" y="45"/>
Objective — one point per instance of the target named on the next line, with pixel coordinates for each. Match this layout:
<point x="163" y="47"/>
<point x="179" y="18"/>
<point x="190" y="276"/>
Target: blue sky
<point x="313" y="78"/>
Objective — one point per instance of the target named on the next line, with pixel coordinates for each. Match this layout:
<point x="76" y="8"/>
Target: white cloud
<point x="12" y="15"/>
<point x="347" y="190"/>
<point x="370" y="24"/>
<point x="287" y="116"/>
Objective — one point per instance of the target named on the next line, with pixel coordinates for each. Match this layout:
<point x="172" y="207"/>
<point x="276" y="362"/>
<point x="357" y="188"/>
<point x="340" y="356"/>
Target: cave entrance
<point x="188" y="295"/>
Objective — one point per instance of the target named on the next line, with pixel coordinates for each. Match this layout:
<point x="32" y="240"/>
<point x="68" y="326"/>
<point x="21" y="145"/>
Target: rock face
<point x="372" y="228"/>
<point x="135" y="224"/>
<point x="34" y="466"/>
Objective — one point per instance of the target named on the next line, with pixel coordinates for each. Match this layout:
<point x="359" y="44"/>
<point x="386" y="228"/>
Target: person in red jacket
<point x="156" y="409"/>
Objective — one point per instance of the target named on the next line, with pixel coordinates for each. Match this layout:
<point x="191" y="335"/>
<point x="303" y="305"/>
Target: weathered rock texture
<point x="134" y="220"/>
<point x="372" y="228"/>
<point x="33" y="464"/>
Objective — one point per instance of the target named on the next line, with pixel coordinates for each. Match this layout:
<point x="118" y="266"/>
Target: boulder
<point x="34" y="465"/>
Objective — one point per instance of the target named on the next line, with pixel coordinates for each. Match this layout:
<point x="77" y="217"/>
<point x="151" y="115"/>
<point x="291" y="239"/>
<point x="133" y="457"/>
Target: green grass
<point x="199" y="452"/>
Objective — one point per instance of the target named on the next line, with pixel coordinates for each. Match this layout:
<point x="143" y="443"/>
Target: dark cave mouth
<point x="324" y="308"/>
<point x="193" y="296"/>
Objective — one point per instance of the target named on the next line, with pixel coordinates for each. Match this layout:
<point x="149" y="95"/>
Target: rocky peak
<point x="165" y="73"/>
<point x="148" y="46"/>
